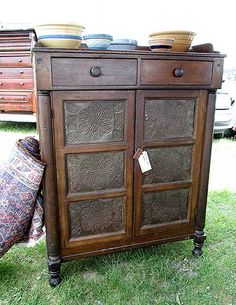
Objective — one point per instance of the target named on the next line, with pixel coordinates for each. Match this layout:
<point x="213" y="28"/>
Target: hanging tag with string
<point x="143" y="160"/>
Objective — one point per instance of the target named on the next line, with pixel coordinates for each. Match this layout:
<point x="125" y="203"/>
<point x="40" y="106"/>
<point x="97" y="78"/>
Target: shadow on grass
<point x="160" y="254"/>
<point x="21" y="263"/>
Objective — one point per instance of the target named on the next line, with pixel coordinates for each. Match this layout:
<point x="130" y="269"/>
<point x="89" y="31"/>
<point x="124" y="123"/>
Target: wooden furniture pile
<point x="17" y="94"/>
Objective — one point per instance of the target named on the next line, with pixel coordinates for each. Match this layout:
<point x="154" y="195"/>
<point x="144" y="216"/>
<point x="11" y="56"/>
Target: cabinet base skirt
<point x="74" y="254"/>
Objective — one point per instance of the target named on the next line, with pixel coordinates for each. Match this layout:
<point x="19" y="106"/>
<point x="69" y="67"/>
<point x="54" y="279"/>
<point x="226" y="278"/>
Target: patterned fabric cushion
<point x="20" y="178"/>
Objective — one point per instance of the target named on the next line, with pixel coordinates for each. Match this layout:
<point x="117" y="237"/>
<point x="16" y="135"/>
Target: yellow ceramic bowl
<point x="60" y="35"/>
<point x="182" y="39"/>
<point x="160" y="44"/>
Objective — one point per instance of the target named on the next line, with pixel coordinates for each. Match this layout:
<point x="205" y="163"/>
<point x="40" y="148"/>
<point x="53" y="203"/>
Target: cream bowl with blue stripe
<point x="60" y="35"/>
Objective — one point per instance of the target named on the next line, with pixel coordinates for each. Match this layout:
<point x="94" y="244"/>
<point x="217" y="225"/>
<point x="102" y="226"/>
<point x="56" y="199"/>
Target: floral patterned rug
<point x="21" y="204"/>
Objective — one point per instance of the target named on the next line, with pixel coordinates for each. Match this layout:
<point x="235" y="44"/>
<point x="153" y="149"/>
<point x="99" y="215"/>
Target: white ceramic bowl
<point x="97" y="41"/>
<point x="60" y="35"/>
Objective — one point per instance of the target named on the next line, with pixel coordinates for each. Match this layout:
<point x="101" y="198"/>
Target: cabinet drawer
<point x="16" y="73"/>
<point x="15" y="61"/>
<point x="93" y="72"/>
<point x="15" y="43"/>
<point x="14" y="101"/>
<point x="172" y="72"/>
<point x="16" y="84"/>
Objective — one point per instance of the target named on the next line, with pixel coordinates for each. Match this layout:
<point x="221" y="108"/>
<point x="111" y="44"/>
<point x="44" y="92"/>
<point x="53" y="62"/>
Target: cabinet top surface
<point x="143" y="51"/>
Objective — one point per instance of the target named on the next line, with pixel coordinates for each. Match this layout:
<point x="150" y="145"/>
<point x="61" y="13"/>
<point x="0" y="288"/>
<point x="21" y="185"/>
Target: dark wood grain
<point x="96" y="124"/>
<point x="170" y="144"/>
<point x="163" y="72"/>
<point x="205" y="161"/>
<point x="105" y="155"/>
<point x="50" y="186"/>
<point x="77" y="72"/>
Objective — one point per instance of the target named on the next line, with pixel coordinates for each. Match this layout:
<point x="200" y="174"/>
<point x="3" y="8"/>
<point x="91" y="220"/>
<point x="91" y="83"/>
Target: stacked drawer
<point x="16" y="72"/>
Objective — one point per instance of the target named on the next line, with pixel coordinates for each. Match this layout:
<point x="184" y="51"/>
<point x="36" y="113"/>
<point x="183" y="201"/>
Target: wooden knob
<point x="178" y="72"/>
<point x="95" y="71"/>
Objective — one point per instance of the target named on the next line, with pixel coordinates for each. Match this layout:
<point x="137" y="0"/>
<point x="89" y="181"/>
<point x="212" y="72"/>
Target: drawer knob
<point x="1" y="83"/>
<point x="1" y="98"/>
<point x="21" y="83"/>
<point x="95" y="71"/>
<point x="21" y="72"/>
<point x="19" y="60"/>
<point x="178" y="72"/>
<point x="0" y="72"/>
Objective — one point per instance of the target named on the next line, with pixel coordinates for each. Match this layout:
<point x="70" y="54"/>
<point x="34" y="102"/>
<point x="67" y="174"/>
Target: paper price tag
<point x="144" y="162"/>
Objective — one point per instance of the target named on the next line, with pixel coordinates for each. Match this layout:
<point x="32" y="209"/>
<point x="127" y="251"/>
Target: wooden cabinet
<point x="16" y="73"/>
<point x="95" y="110"/>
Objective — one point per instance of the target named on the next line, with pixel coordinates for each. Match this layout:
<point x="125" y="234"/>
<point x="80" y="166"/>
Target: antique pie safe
<point x="95" y="110"/>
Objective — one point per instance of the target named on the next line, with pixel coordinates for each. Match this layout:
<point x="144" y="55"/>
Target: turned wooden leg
<point x="54" y="265"/>
<point x="199" y="237"/>
<point x="49" y="186"/>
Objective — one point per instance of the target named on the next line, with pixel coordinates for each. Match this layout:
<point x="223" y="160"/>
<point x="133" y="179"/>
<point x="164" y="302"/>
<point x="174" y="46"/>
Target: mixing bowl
<point x="60" y="35"/>
<point x="182" y="39"/>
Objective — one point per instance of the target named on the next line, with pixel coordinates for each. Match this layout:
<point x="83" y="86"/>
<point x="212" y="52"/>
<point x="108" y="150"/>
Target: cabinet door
<point x="94" y="145"/>
<point x="169" y="126"/>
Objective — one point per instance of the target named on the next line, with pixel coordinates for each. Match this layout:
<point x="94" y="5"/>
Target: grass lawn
<point x="165" y="274"/>
<point x="12" y="131"/>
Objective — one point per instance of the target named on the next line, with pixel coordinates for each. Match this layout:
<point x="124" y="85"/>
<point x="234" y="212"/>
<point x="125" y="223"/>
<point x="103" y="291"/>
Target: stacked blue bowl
<point x="123" y="44"/>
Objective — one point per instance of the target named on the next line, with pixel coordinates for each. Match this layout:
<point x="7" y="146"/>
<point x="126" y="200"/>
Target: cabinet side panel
<point x="205" y="163"/>
<point x="50" y="189"/>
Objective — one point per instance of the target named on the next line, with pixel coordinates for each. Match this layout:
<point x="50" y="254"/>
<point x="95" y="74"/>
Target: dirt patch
<point x="223" y="165"/>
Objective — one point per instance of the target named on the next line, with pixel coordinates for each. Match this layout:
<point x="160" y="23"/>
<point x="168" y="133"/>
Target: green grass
<point x="17" y="127"/>
<point x="165" y="274"/>
<point x="11" y="132"/>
